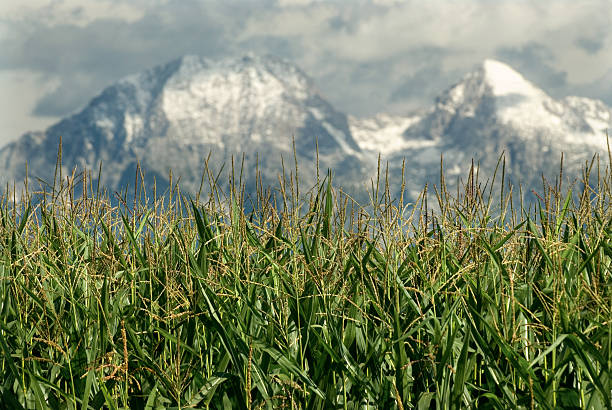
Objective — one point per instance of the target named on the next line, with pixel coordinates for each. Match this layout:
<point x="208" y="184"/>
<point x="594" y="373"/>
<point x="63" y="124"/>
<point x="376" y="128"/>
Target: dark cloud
<point x="339" y="23"/>
<point x="601" y="88"/>
<point x="591" y="45"/>
<point x="429" y="78"/>
<point x="424" y="83"/>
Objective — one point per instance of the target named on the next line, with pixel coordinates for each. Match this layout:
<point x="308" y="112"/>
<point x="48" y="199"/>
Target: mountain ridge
<point x="259" y="108"/>
<point x="493" y="110"/>
<point x="172" y="116"/>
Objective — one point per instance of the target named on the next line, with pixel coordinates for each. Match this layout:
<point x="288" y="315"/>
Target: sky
<point x="365" y="56"/>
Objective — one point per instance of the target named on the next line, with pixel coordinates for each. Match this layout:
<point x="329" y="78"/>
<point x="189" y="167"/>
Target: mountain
<point x="494" y="109"/>
<point x="173" y="116"/>
<point x="254" y="109"/>
<point x="382" y="133"/>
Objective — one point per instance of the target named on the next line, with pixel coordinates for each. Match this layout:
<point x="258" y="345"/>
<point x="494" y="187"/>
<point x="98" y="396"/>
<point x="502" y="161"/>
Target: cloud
<point x="21" y="89"/>
<point x="366" y="56"/>
<point x="366" y="53"/>
<point x="600" y="88"/>
<point x="74" y="12"/>
<point x="590" y="45"/>
<point x="423" y="85"/>
<point x="86" y="59"/>
<point x="66" y="96"/>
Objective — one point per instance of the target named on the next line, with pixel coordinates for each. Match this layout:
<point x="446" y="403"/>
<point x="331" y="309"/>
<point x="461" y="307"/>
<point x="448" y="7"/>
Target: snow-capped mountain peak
<point x="492" y="110"/>
<point x="173" y="115"/>
<point x="497" y="83"/>
<point x="504" y="80"/>
<point x="495" y="93"/>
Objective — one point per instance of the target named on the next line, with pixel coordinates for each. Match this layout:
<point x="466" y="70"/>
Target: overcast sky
<point x="366" y="56"/>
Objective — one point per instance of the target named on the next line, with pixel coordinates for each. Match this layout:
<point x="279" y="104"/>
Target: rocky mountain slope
<point x="495" y="110"/>
<point x="175" y="115"/>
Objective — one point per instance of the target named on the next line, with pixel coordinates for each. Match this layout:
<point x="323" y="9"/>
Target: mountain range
<point x="261" y="114"/>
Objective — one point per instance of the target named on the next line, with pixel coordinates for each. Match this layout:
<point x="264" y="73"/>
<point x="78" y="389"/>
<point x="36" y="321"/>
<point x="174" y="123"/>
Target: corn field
<point x="307" y="301"/>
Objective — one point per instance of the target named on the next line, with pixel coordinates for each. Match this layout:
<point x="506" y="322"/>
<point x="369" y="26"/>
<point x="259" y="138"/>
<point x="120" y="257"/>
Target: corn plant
<point x="307" y="301"/>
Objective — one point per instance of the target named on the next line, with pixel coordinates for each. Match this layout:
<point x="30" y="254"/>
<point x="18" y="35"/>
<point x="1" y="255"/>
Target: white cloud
<point x="338" y="41"/>
<point x="472" y="27"/>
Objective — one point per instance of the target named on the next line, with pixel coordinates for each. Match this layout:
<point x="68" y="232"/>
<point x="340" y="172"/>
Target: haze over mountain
<point x="174" y="115"/>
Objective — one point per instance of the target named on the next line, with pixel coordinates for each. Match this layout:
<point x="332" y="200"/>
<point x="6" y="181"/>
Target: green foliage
<point x="311" y="302"/>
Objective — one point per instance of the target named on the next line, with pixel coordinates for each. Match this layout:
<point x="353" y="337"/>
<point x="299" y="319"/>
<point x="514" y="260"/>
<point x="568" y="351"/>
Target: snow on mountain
<point x="497" y="93"/>
<point x="172" y="116"/>
<point x="517" y="101"/>
<point x="594" y="112"/>
<point x="383" y="133"/>
<point x="255" y="109"/>
<point x="495" y="110"/>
